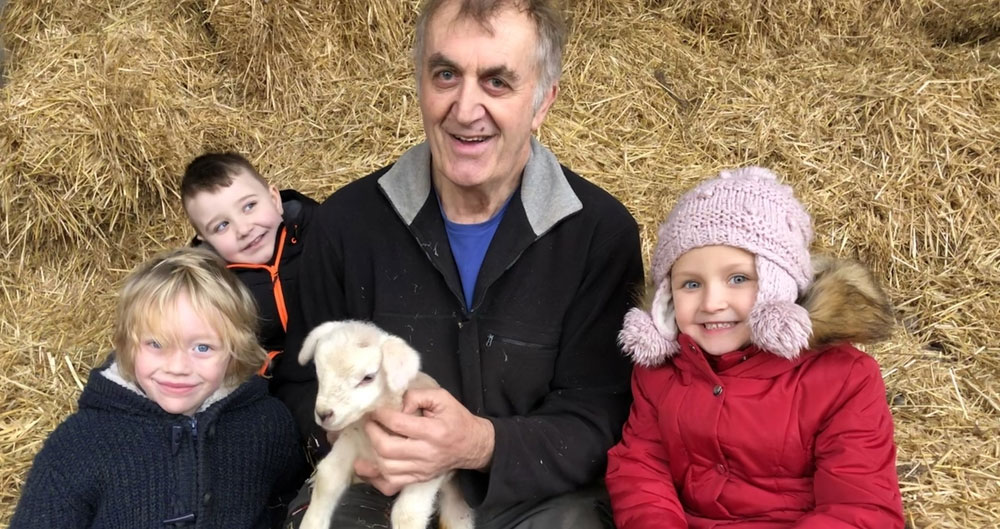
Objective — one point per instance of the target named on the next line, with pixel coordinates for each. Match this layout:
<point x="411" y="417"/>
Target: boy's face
<point x="181" y="376"/>
<point x="239" y="221"/>
<point x="713" y="290"/>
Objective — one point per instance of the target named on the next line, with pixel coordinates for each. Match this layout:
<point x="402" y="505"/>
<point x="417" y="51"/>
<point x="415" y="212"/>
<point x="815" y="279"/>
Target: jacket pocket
<point x="517" y="368"/>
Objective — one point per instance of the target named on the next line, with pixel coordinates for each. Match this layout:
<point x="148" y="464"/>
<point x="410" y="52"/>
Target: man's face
<point x="476" y="94"/>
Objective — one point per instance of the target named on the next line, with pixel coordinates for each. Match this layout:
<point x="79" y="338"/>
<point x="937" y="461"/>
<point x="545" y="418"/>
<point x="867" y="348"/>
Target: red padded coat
<point x="760" y="442"/>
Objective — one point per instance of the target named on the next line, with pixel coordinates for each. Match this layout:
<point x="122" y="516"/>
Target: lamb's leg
<point x="415" y="504"/>
<point x="333" y="476"/>
<point x="455" y="513"/>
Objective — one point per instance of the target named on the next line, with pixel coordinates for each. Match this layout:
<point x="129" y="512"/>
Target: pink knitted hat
<point x="746" y="208"/>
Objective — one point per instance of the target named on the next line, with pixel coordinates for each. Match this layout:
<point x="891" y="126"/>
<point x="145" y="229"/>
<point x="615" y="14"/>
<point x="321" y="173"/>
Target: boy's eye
<point x="249" y="206"/>
<point x="220" y="226"/>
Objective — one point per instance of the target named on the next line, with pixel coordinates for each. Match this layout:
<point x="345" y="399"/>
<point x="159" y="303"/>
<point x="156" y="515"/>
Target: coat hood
<point x="844" y="303"/>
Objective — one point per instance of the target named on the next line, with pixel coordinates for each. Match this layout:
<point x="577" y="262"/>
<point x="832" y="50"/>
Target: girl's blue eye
<point x="154" y="344"/>
<point x="221" y="226"/>
<point x="689" y="284"/>
<point x="739" y="278"/>
<point x="249" y="206"/>
<point x="202" y="348"/>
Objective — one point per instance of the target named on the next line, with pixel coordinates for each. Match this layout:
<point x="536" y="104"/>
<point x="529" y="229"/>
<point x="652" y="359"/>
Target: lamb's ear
<point x="400" y="363"/>
<point x="312" y="340"/>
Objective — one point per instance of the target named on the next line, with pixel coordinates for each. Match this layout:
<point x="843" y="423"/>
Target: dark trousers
<point x="364" y="507"/>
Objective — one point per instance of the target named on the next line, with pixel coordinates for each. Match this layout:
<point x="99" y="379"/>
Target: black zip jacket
<point x="536" y="353"/>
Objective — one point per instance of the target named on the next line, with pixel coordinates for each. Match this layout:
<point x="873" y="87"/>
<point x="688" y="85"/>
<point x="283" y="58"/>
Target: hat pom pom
<point x="780" y="327"/>
<point x="641" y="340"/>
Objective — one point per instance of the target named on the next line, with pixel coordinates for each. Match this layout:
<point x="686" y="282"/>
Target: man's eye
<point x="496" y="83"/>
<point x="445" y="75"/>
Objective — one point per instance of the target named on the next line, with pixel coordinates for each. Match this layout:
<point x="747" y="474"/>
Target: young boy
<point x="256" y="229"/>
<point x="175" y="429"/>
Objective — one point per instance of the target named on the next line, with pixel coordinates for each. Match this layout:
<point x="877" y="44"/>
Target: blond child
<point x="752" y="410"/>
<point x="175" y="430"/>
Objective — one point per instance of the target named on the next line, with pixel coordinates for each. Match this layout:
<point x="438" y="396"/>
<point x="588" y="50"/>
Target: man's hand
<point x="411" y="448"/>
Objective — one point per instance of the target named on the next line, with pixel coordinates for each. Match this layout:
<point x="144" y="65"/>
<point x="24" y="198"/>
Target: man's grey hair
<point x="550" y="30"/>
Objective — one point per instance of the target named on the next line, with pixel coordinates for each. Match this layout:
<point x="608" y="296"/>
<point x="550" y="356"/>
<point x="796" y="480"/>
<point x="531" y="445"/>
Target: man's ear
<point x="276" y="198"/>
<point x="543" y="109"/>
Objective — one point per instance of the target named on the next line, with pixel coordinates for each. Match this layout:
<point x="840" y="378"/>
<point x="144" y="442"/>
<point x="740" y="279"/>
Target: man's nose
<point x="468" y="106"/>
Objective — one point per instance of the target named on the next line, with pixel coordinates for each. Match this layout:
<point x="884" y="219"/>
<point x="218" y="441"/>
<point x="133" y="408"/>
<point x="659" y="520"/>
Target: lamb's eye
<point x="366" y="379"/>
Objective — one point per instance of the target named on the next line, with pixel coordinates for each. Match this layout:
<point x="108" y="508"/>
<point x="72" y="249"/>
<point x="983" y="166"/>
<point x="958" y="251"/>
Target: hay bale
<point x="885" y="118"/>
<point x="3" y="51"/>
<point x="90" y="140"/>
<point x="961" y="21"/>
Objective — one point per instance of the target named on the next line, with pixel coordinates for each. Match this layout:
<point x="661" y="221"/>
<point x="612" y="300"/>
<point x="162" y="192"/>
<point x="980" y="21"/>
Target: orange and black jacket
<point x="273" y="283"/>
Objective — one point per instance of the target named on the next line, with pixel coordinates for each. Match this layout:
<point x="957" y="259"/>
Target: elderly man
<point x="509" y="273"/>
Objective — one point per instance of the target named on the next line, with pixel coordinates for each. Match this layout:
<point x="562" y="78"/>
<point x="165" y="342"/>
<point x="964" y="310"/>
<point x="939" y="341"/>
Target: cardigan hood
<point x="844" y="302"/>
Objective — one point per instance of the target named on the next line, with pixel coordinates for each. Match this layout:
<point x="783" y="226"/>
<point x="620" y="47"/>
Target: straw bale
<point x="884" y="116"/>
<point x="3" y="50"/>
<point x="91" y="117"/>
<point x="961" y="21"/>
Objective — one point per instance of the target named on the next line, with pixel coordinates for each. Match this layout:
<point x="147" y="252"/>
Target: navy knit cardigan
<point x="123" y="462"/>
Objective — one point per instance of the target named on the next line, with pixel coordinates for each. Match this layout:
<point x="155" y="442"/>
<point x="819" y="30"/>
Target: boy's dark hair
<point x="213" y="170"/>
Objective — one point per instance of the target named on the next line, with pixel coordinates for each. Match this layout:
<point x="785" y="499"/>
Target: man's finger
<point x="399" y="423"/>
<point x="366" y="469"/>
<point x="429" y="399"/>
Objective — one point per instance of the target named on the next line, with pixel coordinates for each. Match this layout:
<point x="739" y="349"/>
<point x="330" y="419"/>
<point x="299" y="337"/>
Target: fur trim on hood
<point x="844" y="303"/>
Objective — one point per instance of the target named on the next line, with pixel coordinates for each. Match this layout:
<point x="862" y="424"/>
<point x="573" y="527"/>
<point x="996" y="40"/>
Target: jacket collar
<point x="546" y="195"/>
<point x="759" y="364"/>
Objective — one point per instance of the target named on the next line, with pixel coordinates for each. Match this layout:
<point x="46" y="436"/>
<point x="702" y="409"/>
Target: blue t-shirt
<point x="469" y="243"/>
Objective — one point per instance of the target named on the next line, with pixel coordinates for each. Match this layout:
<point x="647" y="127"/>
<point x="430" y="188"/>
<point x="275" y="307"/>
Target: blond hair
<point x="216" y="294"/>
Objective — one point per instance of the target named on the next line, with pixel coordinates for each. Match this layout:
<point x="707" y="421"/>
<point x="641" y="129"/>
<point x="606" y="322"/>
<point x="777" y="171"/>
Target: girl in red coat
<point x="752" y="410"/>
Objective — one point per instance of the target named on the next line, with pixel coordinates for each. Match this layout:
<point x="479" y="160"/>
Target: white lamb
<point x="360" y="367"/>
